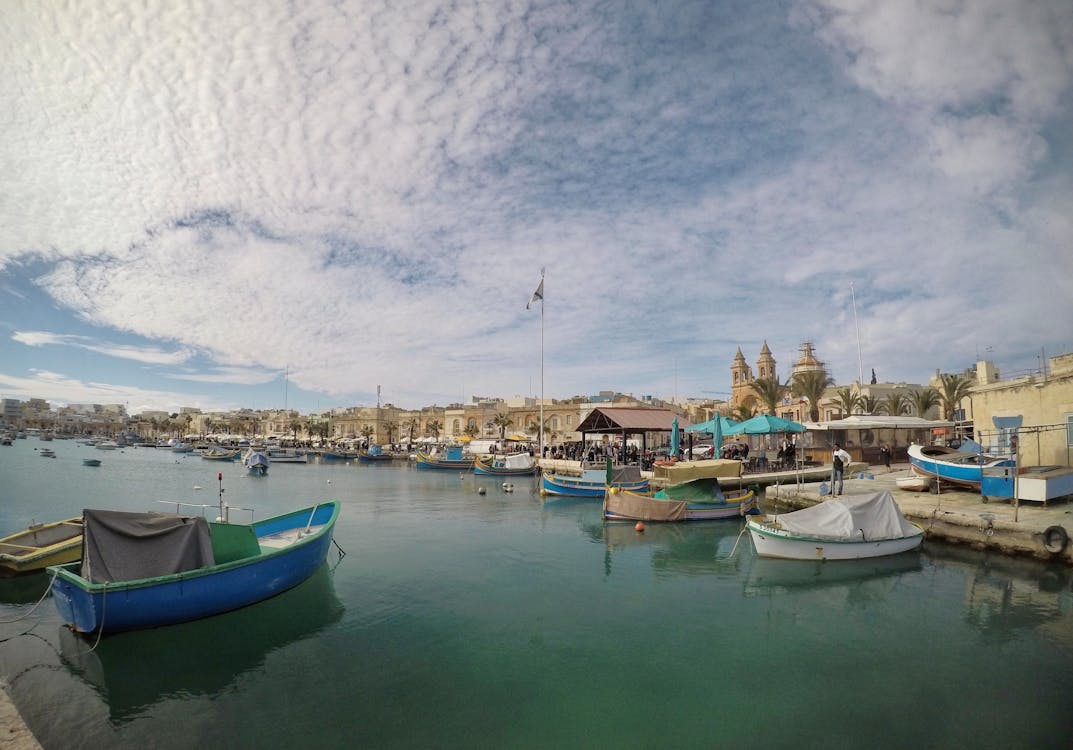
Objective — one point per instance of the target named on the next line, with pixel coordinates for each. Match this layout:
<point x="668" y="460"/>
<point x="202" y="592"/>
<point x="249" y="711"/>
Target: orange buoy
<point x="640" y="527"/>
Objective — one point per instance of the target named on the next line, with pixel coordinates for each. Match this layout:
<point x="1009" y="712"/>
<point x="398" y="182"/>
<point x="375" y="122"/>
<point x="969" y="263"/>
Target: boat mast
<point x="860" y="360"/>
<point x="540" y="451"/>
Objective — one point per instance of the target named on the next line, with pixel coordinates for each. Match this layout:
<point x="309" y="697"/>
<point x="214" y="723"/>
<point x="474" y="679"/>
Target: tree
<point x="741" y="412"/>
<point x="952" y="389"/>
<point x="367" y="432"/>
<point x="923" y="399"/>
<point x="433" y="428"/>
<point x="391" y="428"/>
<point x="411" y="426"/>
<point x="847" y="399"/>
<point x="502" y="421"/>
<point x="295" y="425"/>
<point x="811" y="385"/>
<point x="895" y="403"/>
<point x="869" y="404"/>
<point x="472" y="430"/>
<point x="770" y="392"/>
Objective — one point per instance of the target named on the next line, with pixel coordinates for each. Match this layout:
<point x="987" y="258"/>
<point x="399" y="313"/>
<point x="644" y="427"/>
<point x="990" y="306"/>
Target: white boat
<point x="107" y="445"/>
<point x="914" y="483"/>
<point x="287" y="456"/>
<point x="842" y="528"/>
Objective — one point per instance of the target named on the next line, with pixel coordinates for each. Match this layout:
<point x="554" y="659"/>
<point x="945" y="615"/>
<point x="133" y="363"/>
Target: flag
<point x="538" y="295"/>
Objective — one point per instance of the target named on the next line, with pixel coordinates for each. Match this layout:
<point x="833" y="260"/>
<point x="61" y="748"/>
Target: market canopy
<point x="724" y="424"/>
<point x="627" y="421"/>
<point x="878" y="422"/>
<point x="764" y="424"/>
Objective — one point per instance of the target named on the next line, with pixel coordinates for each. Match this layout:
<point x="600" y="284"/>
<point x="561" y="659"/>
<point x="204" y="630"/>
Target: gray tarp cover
<point x="851" y="518"/>
<point x="121" y="546"/>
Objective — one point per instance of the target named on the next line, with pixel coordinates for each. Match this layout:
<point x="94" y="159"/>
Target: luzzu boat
<point x="374" y="454"/>
<point x="965" y="468"/>
<point x="452" y="459"/>
<point x="505" y="465"/>
<point x="850" y="527"/>
<point x="593" y="482"/>
<point x="144" y="570"/>
<point x="699" y="500"/>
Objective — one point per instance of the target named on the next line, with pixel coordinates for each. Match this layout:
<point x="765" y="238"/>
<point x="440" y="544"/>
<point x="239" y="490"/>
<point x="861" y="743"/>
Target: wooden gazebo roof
<point x="629" y="421"/>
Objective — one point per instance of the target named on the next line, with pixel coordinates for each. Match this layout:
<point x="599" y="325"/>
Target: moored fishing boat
<point x="91" y="462"/>
<point x="287" y="456"/>
<point x="41" y="545"/>
<point x="256" y="463"/>
<point x="143" y="570"/>
<point x="338" y="454"/>
<point x="219" y="454"/>
<point x="505" y="465"/>
<point x="842" y="528"/>
<point x="965" y="468"/>
<point x="453" y="458"/>
<point x="374" y="454"/>
<point x="914" y="483"/>
<point x="700" y="500"/>
<point x="593" y="482"/>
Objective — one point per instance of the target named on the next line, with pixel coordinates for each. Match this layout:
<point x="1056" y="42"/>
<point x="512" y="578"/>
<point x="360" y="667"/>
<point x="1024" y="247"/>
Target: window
<point x="1069" y="430"/>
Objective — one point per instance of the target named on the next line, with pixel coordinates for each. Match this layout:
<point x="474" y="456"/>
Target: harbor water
<point x="458" y="619"/>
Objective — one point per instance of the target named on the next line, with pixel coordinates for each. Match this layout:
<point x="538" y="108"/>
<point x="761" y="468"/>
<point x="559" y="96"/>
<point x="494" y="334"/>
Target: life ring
<point x="1055" y="539"/>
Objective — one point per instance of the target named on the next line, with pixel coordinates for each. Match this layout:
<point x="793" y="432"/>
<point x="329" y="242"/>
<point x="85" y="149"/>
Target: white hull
<point x="770" y="542"/>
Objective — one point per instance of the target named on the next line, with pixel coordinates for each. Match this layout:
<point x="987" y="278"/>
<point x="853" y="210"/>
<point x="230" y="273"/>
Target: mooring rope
<point x="735" y="547"/>
<point x="23" y="616"/>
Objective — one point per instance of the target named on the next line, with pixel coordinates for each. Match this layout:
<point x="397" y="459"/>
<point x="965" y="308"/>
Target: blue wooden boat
<point x="452" y="459"/>
<point x="375" y="454"/>
<point x="256" y="463"/>
<point x="144" y="570"/>
<point x="965" y="468"/>
<point x="338" y="455"/>
<point x="505" y="465"/>
<point x="593" y="482"/>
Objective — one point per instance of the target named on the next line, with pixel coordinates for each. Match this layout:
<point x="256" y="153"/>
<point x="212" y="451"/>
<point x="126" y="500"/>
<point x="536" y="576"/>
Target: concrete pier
<point x="958" y="516"/>
<point x="14" y="734"/>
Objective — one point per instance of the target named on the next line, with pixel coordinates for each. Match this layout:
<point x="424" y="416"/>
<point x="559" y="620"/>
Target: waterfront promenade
<point x="14" y="734"/>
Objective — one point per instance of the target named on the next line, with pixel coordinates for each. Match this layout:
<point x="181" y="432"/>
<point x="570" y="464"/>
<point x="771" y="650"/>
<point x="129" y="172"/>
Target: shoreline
<point x="14" y="734"/>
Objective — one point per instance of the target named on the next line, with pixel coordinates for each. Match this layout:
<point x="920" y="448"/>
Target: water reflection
<point x="1006" y="596"/>
<point x="857" y="580"/>
<point x="131" y="671"/>
<point x="24" y="589"/>
<point x="699" y="548"/>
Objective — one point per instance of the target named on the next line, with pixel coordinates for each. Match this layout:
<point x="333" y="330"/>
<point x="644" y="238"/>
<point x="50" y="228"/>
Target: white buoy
<point x="197" y="486"/>
<point x="480" y="490"/>
<point x="329" y="481"/>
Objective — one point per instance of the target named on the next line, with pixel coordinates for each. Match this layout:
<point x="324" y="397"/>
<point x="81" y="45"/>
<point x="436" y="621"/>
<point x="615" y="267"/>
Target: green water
<point x="504" y="621"/>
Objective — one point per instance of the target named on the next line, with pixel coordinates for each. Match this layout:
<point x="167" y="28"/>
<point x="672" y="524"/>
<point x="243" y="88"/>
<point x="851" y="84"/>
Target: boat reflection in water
<point x="697" y="548"/>
<point x="770" y="575"/>
<point x="132" y="671"/>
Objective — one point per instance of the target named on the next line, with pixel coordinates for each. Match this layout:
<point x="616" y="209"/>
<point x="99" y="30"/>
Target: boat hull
<point x="375" y="458"/>
<point x="191" y="595"/>
<point x="630" y="506"/>
<point x="40" y="546"/>
<point x="557" y="484"/>
<point x="425" y="461"/>
<point x="484" y="467"/>
<point x="770" y="542"/>
<point x="952" y="466"/>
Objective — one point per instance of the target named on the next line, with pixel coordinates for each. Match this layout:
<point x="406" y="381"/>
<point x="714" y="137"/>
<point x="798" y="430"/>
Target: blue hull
<point x="166" y="600"/>
<point x="581" y="488"/>
<point x="958" y="470"/>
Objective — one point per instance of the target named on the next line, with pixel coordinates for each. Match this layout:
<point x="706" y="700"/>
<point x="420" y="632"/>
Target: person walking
<point x="839" y="461"/>
<point x="884" y="453"/>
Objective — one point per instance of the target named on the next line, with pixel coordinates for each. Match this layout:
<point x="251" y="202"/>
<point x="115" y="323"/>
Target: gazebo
<point x="626" y="421"/>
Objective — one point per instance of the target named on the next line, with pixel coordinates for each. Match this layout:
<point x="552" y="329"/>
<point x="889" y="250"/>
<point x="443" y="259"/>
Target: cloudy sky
<point x="263" y="203"/>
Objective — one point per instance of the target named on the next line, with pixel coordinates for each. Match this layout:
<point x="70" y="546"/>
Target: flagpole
<point x="860" y="359"/>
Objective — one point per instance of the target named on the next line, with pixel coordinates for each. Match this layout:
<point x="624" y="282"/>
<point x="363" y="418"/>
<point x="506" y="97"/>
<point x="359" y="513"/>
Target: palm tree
<point x="811" y="385"/>
<point x="953" y="388"/>
<point x="295" y="425"/>
<point x="869" y="404"/>
<point x="391" y="428"/>
<point x="741" y="412"/>
<point x="433" y="428"/>
<point x="923" y="399"/>
<point x="367" y="432"/>
<point x="895" y="403"/>
<point x="847" y="399"/>
<point x="770" y="392"/>
<point x="502" y="421"/>
<point x="472" y="430"/>
<point x="411" y="426"/>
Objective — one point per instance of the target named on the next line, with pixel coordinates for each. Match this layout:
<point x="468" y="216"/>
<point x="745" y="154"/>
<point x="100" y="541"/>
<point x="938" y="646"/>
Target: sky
<point x="272" y="204"/>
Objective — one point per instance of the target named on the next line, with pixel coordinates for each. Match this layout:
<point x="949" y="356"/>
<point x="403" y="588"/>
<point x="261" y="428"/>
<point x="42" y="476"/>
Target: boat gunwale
<point x="768" y="529"/>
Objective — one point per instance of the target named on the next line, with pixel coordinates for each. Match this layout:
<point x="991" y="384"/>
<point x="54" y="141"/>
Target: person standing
<point x="884" y="453"/>
<point x="839" y="461"/>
